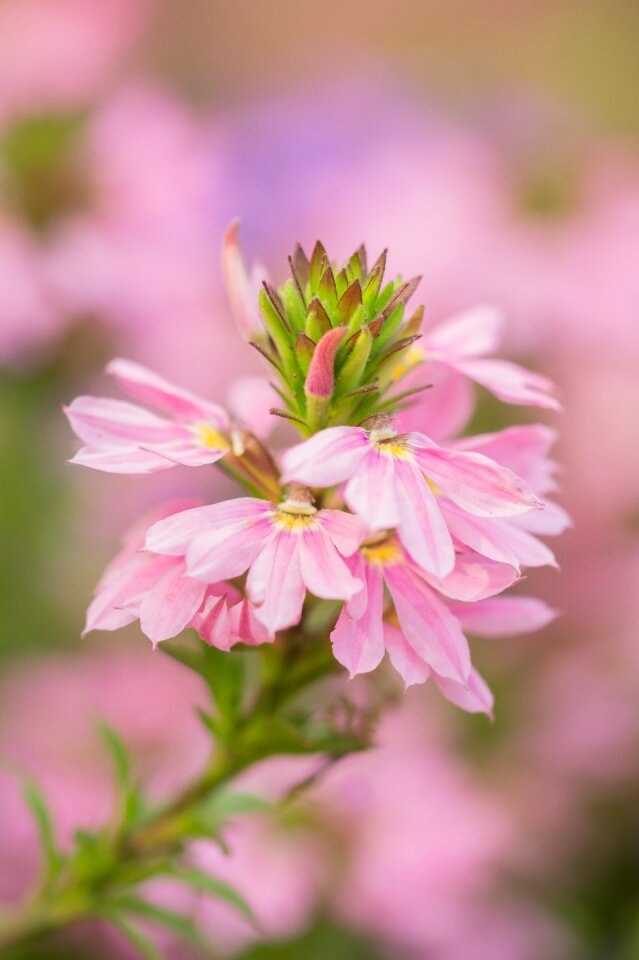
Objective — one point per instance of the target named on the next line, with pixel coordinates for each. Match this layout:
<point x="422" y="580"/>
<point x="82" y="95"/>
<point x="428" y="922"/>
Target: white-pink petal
<point x="474" y="482"/>
<point x="327" y="458"/>
<point x="371" y="491"/>
<point x="473" y="333"/>
<point x="275" y="584"/>
<point x="323" y="571"/>
<point x="170" y="605"/>
<point x="346" y="530"/>
<point x="427" y="625"/>
<point x="173" y="534"/>
<point x="474" y="696"/>
<point x="510" y="382"/>
<point x="358" y="644"/>
<point x="228" y="551"/>
<point x="408" y="664"/>
<point x="422" y="528"/>
<point x="504" y="616"/>
<point x="145" y="385"/>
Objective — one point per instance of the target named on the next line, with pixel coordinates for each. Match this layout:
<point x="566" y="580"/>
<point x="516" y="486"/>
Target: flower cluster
<point x="415" y="539"/>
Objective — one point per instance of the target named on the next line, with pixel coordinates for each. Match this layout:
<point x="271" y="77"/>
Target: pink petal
<point x="239" y="288"/>
<point x="212" y="623"/>
<point x="488" y="537"/>
<point x="101" y="421"/>
<point x="250" y="400"/>
<point x="275" y="585"/>
<point x="510" y="382"/>
<point x="549" y="522"/>
<point x="523" y="449"/>
<point x="474" y="696"/>
<point x="474" y="578"/>
<point x="442" y="411"/>
<point x="246" y="627"/>
<point x="228" y="551"/>
<point x="422" y="528"/>
<point x="427" y="625"/>
<point x="329" y="457"/>
<point x="359" y="644"/>
<point x="371" y="492"/>
<point x="345" y="530"/>
<point x="504" y="616"/>
<point x="121" y="460"/>
<point x="173" y="534"/>
<point x="410" y="667"/>
<point x="323" y="570"/>
<point x="472" y="333"/>
<point x="144" y="385"/>
<point x="473" y="481"/>
<point x="169" y="607"/>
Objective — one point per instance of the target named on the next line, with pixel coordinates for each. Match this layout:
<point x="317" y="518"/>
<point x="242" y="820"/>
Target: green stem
<point x="74" y="898"/>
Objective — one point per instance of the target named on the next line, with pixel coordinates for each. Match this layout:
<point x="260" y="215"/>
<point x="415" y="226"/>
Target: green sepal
<point x="327" y="291"/>
<point x="347" y="305"/>
<point x="350" y="376"/>
<point x="317" y="321"/>
<point x="280" y="336"/>
<point x="318" y="258"/>
<point x="389" y="328"/>
<point x="304" y="350"/>
<point x="294" y="305"/>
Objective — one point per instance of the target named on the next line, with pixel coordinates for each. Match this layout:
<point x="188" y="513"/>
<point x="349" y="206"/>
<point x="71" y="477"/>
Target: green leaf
<point x="222" y="672"/>
<point x="204" y="883"/>
<point x="145" y="947"/>
<point x="38" y="806"/>
<point x="163" y="917"/>
<point x="119" y="753"/>
<point x="227" y="804"/>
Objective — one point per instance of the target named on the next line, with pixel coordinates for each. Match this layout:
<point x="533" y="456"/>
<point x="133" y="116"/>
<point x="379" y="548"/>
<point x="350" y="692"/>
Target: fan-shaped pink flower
<point x="420" y="634"/>
<point x="121" y="437"/>
<point x="525" y="450"/>
<point x="462" y="343"/>
<point x="396" y="482"/>
<point x="287" y="549"/>
<point x="157" y="591"/>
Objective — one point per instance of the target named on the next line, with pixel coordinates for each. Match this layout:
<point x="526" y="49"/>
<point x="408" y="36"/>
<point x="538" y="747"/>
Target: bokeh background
<point x="493" y="145"/>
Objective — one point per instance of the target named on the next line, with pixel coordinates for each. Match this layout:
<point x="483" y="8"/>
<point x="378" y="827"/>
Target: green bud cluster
<point x="326" y="379"/>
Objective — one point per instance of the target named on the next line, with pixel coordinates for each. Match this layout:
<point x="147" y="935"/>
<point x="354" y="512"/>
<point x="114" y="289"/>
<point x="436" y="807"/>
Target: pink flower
<point x="462" y="343"/>
<point x="523" y="449"/>
<point x="156" y="590"/>
<point x="396" y="482"/>
<point x="121" y="437"/>
<point x="242" y="287"/>
<point x="420" y="634"/>
<point x="287" y="549"/>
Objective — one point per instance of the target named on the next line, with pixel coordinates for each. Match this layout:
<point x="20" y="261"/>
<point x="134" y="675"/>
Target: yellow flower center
<point x="294" y="522"/>
<point x="207" y="436"/>
<point x="411" y="358"/>
<point x="383" y="554"/>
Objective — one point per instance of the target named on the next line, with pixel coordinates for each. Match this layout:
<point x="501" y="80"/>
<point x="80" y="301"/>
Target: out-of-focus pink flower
<point x="28" y="317"/>
<point x="124" y="438"/>
<point x="288" y="549"/>
<point x="242" y="287"/>
<point x="57" y="54"/>
<point x="427" y="847"/>
<point x="391" y="480"/>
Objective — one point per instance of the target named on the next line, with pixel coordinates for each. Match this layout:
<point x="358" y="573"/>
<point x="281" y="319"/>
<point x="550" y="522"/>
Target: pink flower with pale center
<point x="421" y="633"/>
<point x="121" y="437"/>
<point x="397" y="482"/>
<point x="157" y="591"/>
<point x="287" y="548"/>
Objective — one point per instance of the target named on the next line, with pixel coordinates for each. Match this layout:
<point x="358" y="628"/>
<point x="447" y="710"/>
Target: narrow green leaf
<point x="35" y="800"/>
<point x="145" y="947"/>
<point x="119" y="753"/>
<point x="162" y="916"/>
<point x="204" y="883"/>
